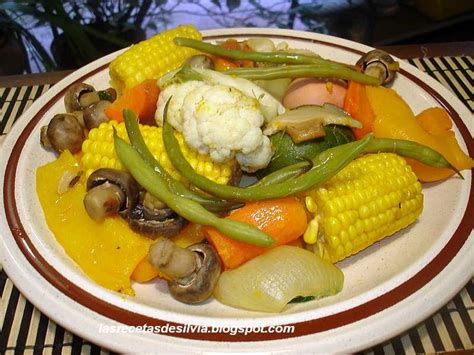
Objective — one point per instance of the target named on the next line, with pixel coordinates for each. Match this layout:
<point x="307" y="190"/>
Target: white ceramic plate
<point x="388" y="288"/>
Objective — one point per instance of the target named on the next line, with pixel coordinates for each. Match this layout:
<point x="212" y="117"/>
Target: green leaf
<point x="217" y="3"/>
<point x="232" y="4"/>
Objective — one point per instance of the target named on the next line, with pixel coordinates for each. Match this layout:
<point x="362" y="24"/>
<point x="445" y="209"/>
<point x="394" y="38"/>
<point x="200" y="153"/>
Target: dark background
<point x="49" y="35"/>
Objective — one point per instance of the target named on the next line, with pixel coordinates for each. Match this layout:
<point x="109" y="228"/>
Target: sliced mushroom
<point x="379" y="64"/>
<point x="103" y="201"/>
<point x="200" y="61"/>
<point x="94" y="114"/>
<point x="80" y="117"/>
<point x="110" y="191"/>
<point x="89" y="98"/>
<point x="155" y="219"/>
<point x="172" y="260"/>
<point x="194" y="271"/>
<point x="45" y="143"/>
<point x="73" y="95"/>
<point x="64" y="132"/>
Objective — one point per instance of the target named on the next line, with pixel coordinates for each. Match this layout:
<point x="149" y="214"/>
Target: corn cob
<point x="373" y="197"/>
<point x="99" y="152"/>
<point x="152" y="58"/>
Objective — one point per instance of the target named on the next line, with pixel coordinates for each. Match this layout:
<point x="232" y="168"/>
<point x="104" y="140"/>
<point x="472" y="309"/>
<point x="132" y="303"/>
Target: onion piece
<point x="268" y="282"/>
<point x="306" y="122"/>
<point x="260" y="44"/>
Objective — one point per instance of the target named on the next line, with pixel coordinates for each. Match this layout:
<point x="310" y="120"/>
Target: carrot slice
<point x="283" y="219"/>
<point x="141" y="99"/>
<point x="357" y="104"/>
<point x="145" y="271"/>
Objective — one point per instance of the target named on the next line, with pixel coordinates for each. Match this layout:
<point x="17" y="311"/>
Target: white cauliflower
<point x="178" y="92"/>
<point x="220" y="121"/>
<point x="257" y="159"/>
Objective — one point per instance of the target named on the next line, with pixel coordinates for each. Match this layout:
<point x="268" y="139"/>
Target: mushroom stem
<point x="174" y="261"/>
<point x="104" y="200"/>
<point x="377" y="70"/>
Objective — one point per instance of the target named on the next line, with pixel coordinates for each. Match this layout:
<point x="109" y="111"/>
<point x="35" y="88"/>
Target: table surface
<point x="24" y="328"/>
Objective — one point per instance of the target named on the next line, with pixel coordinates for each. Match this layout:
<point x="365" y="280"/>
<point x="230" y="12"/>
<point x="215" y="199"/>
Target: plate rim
<point x="247" y="32"/>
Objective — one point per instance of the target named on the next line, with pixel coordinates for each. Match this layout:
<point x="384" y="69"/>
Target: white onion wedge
<point x="268" y="282"/>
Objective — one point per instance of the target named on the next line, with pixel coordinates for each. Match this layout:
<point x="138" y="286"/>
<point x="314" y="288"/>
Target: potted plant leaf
<point x="82" y="30"/>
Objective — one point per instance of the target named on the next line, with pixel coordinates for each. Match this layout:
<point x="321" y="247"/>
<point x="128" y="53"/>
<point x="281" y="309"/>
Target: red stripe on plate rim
<point x="390" y="298"/>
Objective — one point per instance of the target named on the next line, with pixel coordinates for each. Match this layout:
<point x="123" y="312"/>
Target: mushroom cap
<point x="72" y="95"/>
<point x="123" y="179"/>
<point x="94" y="114"/>
<point x="377" y="57"/>
<point x="163" y="222"/>
<point x="64" y="132"/>
<point x="198" y="286"/>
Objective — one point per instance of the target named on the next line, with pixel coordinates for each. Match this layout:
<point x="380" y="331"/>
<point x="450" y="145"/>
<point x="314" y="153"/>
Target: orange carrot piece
<point x="283" y="219"/>
<point x="141" y="99"/>
<point x="145" y="271"/>
<point x="222" y="64"/>
<point x="357" y="104"/>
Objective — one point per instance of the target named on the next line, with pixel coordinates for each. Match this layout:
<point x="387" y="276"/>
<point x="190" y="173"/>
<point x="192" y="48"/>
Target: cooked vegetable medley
<point x="148" y="183"/>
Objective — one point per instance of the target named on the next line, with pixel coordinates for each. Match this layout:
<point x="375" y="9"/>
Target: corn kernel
<point x="373" y="197"/>
<point x="100" y="152"/>
<point x="152" y="58"/>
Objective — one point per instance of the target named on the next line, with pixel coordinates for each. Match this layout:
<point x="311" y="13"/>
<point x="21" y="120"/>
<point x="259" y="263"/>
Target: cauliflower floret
<point x="257" y="159"/>
<point x="218" y="120"/>
<point x="178" y="92"/>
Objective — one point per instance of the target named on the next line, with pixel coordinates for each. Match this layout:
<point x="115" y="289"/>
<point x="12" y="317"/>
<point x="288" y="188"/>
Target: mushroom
<point x="379" y="64"/>
<point x="45" y="143"/>
<point x="110" y="191"/>
<point x="72" y="97"/>
<point x="200" y="61"/>
<point x="94" y="114"/>
<point x="64" y="132"/>
<point x="80" y="117"/>
<point x="193" y="271"/>
<point x="152" y="217"/>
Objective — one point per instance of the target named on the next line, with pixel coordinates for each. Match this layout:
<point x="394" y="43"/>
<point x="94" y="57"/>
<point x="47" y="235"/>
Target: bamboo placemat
<point x="24" y="329"/>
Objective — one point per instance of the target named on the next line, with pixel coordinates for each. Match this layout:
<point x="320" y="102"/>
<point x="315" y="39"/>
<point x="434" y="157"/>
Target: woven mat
<point x="24" y="329"/>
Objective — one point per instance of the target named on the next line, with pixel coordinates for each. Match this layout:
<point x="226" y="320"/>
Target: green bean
<point x="320" y="67"/>
<point x="303" y="71"/>
<point x="410" y="149"/>
<point x="334" y="160"/>
<point x="136" y="139"/>
<point x="152" y="181"/>
<point x="270" y="57"/>
<point x="284" y="174"/>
